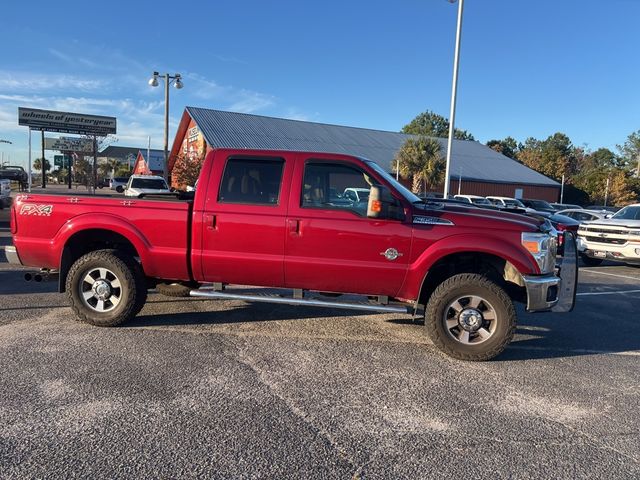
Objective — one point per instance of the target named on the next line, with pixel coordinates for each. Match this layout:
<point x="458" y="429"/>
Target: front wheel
<point x="469" y="317"/>
<point x="106" y="288"/>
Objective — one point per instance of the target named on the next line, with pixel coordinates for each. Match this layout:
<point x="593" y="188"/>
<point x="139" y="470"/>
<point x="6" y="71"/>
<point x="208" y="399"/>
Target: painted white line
<point x="582" y="351"/>
<point x="608" y="293"/>
<point x="610" y="274"/>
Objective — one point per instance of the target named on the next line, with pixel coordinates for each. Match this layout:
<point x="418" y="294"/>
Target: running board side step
<point x="310" y="302"/>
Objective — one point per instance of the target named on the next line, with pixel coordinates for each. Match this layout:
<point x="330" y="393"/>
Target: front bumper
<point x="555" y="291"/>
<point x="12" y="255"/>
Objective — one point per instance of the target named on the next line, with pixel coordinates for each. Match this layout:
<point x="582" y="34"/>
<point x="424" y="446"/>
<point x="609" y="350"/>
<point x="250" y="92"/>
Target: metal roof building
<point x="483" y="171"/>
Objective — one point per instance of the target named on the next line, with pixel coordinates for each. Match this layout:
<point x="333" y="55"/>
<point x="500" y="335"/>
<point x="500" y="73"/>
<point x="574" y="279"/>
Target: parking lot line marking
<point x="608" y="293"/>
<point x="583" y="351"/>
<point x="610" y="274"/>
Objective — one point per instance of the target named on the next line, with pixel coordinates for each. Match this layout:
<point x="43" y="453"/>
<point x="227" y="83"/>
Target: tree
<point x="186" y="170"/>
<point x="122" y="170"/>
<point x="630" y="152"/>
<point x="508" y="147"/>
<point x="420" y="159"/>
<point x="620" y="190"/>
<point x="554" y="157"/>
<point x="37" y="165"/>
<point x="433" y="125"/>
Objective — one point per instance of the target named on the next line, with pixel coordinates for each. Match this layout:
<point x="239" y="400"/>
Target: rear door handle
<point x="294" y="226"/>
<point x="211" y="221"/>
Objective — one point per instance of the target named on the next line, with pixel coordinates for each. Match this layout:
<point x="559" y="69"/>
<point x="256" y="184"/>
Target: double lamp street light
<point x="176" y="79"/>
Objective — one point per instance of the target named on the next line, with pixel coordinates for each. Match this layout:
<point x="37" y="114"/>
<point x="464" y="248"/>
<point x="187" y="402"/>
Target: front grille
<point x="613" y="241"/>
<point x="603" y="230"/>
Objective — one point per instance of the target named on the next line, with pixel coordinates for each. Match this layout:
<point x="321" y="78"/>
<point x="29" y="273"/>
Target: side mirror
<point x="374" y="205"/>
<point x="382" y="204"/>
<point x="608" y="215"/>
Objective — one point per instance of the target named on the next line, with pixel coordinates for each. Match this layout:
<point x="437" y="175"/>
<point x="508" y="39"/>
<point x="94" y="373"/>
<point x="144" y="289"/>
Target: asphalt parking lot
<point x="225" y="389"/>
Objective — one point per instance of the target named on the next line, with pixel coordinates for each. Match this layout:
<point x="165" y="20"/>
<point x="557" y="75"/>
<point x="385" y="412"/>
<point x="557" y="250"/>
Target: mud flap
<point x="568" y="276"/>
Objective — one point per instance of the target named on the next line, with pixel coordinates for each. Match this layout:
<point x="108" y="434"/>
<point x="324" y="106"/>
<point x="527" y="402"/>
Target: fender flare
<point x="465" y="243"/>
<point x="87" y="221"/>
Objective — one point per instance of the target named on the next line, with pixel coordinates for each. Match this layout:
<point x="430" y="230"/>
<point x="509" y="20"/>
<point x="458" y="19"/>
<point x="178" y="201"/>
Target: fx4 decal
<point x="33" y="209"/>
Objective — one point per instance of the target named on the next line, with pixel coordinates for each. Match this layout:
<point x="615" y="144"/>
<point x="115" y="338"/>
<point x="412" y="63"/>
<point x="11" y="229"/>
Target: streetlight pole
<point x="10" y="143"/>
<point x="168" y="80"/>
<point x="454" y="89"/>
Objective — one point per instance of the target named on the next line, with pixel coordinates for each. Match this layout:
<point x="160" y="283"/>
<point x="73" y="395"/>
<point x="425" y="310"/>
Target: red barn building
<point x="481" y="170"/>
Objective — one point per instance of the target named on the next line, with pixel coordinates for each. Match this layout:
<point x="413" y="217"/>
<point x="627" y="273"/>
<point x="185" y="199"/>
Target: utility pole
<point x="44" y="170"/>
<point x="606" y="190"/>
<point x="562" y="190"/>
<point x="454" y="90"/>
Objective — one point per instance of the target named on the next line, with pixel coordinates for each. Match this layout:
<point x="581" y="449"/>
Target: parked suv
<point x="615" y="238"/>
<point x="474" y="199"/>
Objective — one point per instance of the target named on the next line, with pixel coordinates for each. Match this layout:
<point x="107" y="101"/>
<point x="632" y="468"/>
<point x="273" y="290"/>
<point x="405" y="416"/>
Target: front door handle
<point x="294" y="226"/>
<point x="211" y="221"/>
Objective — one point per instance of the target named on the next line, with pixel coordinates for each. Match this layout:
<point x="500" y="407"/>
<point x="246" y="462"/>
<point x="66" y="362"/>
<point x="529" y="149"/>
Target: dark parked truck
<point x="288" y="221"/>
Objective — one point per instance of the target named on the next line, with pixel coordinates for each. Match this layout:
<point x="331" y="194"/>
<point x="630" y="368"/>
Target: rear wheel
<point x="469" y="317"/>
<point x="590" y="261"/>
<point x="106" y="288"/>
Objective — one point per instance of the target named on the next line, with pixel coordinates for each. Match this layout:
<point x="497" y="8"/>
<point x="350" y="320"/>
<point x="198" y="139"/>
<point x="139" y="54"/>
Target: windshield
<point x="404" y="191"/>
<point x="628" y="213"/>
<point x="481" y="201"/>
<point x="151" y="183"/>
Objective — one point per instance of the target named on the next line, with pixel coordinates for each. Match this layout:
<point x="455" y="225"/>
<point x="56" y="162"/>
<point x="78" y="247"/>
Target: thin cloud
<point x="35" y="82"/>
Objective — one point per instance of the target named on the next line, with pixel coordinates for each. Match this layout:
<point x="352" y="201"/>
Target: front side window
<point x="337" y="186"/>
<point x="253" y="181"/>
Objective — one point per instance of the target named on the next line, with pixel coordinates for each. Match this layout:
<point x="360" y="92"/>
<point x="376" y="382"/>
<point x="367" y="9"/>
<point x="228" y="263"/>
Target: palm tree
<point x="420" y="159"/>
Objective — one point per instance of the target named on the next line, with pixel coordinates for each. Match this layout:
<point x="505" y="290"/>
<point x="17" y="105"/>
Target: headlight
<point x="634" y="232"/>
<point x="543" y="247"/>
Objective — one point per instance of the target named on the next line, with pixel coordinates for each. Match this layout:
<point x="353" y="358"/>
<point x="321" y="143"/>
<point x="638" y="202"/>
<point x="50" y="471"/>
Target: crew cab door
<point x="243" y="218"/>
<point x="331" y="245"/>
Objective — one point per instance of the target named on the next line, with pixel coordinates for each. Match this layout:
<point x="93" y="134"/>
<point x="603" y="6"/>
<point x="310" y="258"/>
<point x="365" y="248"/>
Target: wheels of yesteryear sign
<point x="66" y="122"/>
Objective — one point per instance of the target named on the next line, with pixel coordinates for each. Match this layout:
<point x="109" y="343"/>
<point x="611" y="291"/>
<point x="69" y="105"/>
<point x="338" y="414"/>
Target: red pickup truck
<point x="290" y="221"/>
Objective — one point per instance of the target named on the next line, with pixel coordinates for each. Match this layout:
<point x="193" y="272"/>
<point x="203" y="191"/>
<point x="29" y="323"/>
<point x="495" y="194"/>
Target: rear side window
<point x="253" y="181"/>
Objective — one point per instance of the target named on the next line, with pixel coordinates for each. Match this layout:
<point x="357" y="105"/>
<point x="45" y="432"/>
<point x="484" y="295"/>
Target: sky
<point x="527" y="68"/>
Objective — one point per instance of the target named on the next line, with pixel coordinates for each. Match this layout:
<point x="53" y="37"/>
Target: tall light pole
<point x="168" y="80"/>
<point x="454" y="89"/>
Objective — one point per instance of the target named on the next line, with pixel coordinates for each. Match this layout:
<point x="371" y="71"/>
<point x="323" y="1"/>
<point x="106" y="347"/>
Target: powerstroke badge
<point x="38" y="210"/>
<point x="431" y="220"/>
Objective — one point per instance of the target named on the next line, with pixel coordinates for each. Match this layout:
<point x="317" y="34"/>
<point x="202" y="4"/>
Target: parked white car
<point x="616" y="238"/>
<point x="5" y="193"/>
<point x="474" y="199"/>
<point x="356" y="194"/>
<point x="584" y="215"/>
<point x="147" y="184"/>
<point x="118" y="183"/>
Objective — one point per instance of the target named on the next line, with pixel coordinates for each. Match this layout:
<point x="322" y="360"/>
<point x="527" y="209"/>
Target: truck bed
<point x="158" y="228"/>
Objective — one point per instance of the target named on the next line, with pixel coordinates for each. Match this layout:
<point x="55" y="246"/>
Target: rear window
<point x="252" y="181"/>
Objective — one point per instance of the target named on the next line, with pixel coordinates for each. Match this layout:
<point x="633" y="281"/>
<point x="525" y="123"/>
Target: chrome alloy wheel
<point x="100" y="290"/>
<point x="470" y="320"/>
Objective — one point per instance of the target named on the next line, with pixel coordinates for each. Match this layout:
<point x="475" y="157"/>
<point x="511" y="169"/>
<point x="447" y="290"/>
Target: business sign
<point x="65" y="122"/>
<point x="69" y="144"/>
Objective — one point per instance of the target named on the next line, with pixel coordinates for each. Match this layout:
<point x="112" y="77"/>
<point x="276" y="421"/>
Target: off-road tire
<point x="479" y="286"/>
<point x="589" y="261"/>
<point x="177" y="289"/>
<point x="128" y="272"/>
